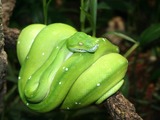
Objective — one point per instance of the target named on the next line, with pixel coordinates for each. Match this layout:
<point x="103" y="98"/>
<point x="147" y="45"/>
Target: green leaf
<point x="122" y="36"/>
<point x="150" y="34"/>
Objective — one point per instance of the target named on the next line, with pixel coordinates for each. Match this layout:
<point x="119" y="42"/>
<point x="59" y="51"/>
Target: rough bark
<point x="10" y="34"/>
<point x="8" y="37"/>
<point x="3" y="62"/>
<point x="120" y="108"/>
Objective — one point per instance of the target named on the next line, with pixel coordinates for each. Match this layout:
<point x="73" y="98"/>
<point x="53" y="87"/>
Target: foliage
<point x="142" y="49"/>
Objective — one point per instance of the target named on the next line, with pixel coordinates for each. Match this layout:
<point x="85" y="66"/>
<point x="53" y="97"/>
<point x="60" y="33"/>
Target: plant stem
<point x="84" y="10"/>
<point x="131" y="49"/>
<point x="10" y="92"/>
<point x="45" y="10"/>
<point x="82" y="16"/>
<point x="93" y="11"/>
<point x="136" y="44"/>
<point x="91" y="14"/>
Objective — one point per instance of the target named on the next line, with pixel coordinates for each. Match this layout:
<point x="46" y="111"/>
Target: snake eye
<point x="80" y="43"/>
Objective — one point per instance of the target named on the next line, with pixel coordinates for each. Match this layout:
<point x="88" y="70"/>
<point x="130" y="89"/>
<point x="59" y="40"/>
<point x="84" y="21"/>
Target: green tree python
<point x="61" y="67"/>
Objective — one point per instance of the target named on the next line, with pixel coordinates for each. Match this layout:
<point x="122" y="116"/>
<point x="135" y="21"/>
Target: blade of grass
<point x="93" y="11"/>
<point x="45" y="10"/>
<point x="10" y="92"/>
<point x="122" y="36"/>
<point x="88" y="10"/>
<point x="150" y="34"/>
<point x="131" y="49"/>
<point x="83" y="10"/>
<point x="136" y="44"/>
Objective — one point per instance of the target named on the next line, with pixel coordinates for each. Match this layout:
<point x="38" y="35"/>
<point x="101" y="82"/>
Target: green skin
<point x="71" y="71"/>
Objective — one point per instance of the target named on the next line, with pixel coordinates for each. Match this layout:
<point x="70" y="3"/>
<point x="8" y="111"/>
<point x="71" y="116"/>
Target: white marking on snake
<point x="76" y="103"/>
<point x="68" y="56"/>
<point x="30" y="77"/>
<point x="103" y="39"/>
<point x="98" y="84"/>
<point x="43" y="53"/>
<point x="97" y="40"/>
<point x="66" y="69"/>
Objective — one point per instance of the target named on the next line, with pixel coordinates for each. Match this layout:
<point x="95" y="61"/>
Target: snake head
<point x="81" y="42"/>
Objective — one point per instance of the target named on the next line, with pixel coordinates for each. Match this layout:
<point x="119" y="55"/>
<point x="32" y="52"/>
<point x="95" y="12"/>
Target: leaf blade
<point x="149" y="35"/>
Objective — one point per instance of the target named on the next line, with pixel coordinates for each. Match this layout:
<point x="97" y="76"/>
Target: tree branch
<point x="120" y="108"/>
<point x="3" y="62"/>
<point x="10" y="34"/>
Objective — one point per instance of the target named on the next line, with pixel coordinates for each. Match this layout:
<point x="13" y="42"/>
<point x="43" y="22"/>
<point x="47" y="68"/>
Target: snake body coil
<point x="61" y="67"/>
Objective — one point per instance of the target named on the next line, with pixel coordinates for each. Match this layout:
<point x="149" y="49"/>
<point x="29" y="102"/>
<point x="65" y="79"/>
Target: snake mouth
<point x="94" y="48"/>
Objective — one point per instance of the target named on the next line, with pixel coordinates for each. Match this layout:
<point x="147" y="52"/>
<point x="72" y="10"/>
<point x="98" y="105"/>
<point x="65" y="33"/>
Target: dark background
<point x="135" y="18"/>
